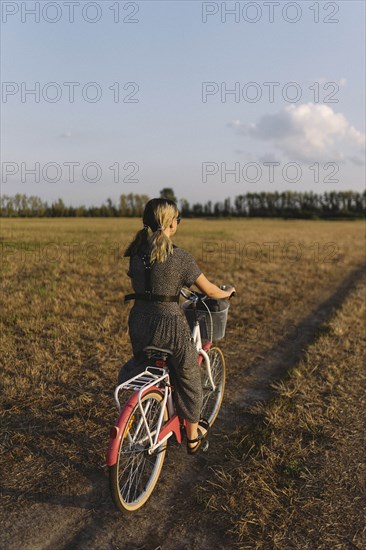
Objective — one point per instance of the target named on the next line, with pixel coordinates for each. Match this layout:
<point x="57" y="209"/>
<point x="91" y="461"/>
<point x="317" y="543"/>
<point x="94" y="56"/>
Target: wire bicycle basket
<point x="211" y="315"/>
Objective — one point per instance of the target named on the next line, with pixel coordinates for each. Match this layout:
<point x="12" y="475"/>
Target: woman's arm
<point x="211" y="290"/>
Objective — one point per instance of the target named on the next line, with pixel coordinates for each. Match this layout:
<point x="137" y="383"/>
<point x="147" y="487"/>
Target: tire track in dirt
<point x="171" y="518"/>
<point x="288" y="351"/>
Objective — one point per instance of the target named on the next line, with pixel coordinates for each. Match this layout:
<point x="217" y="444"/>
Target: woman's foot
<point x="194" y="444"/>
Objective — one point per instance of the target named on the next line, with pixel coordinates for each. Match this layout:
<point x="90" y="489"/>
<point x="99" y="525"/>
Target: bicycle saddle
<point x="152" y="350"/>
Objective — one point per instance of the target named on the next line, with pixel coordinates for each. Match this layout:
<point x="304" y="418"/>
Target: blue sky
<point x="170" y="137"/>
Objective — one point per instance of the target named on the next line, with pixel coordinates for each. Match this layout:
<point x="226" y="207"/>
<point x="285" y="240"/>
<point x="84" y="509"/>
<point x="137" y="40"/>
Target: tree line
<point x="287" y="204"/>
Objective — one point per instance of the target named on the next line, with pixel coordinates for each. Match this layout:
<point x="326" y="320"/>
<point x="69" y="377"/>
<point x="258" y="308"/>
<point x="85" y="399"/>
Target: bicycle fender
<point x="117" y="430"/>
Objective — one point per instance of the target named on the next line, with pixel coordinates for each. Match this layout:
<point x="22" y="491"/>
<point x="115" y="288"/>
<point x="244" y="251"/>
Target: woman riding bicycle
<point x="158" y="270"/>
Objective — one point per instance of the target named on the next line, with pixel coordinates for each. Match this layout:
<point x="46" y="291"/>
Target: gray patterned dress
<point x="164" y="325"/>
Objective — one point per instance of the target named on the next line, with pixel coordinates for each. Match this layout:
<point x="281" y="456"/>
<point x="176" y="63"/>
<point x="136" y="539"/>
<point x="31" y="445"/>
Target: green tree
<point x="131" y="208"/>
<point x="168" y="193"/>
<point x="140" y="201"/>
<point x="123" y="205"/>
<point x="197" y="209"/>
<point x="111" y="208"/>
<point x="227" y="207"/>
<point x="37" y="207"/>
<point x="185" y="208"/>
<point x="58" y="208"/>
<point x="81" y="211"/>
<point x="208" y="208"/>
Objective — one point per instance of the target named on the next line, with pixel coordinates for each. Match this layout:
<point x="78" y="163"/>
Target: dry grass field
<point x="63" y="338"/>
<point x="293" y="474"/>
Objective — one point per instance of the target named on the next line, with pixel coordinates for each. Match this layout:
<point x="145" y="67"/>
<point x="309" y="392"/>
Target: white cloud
<point x="306" y="133"/>
<point x="65" y="135"/>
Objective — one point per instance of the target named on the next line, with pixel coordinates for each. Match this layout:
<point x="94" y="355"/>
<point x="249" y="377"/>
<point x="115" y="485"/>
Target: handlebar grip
<point x="224" y="287"/>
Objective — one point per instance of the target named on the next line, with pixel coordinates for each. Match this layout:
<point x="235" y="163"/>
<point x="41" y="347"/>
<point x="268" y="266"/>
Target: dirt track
<point x="173" y="517"/>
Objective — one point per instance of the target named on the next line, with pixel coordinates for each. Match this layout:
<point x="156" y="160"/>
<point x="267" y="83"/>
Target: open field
<point x="294" y="472"/>
<point x="63" y="338"/>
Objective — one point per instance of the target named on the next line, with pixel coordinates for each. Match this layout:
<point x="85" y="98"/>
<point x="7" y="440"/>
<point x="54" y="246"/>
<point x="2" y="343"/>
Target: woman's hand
<point x="228" y="288"/>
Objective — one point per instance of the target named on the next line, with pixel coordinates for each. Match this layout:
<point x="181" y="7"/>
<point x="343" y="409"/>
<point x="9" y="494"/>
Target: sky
<point x="213" y="99"/>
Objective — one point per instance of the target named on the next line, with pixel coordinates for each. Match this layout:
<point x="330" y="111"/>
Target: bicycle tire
<point x="133" y="478"/>
<point x="212" y="399"/>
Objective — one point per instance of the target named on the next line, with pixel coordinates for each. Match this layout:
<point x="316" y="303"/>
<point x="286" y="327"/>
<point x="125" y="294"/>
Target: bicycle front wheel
<point x="133" y="478"/>
<point x="212" y="399"/>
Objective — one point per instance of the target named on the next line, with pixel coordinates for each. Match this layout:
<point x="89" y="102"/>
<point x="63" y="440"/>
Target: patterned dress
<point x="163" y="324"/>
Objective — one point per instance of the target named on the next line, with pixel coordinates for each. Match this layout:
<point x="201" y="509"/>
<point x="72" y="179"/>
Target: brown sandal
<point x="200" y="439"/>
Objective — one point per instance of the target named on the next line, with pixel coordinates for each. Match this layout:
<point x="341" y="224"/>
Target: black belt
<point x="150" y="297"/>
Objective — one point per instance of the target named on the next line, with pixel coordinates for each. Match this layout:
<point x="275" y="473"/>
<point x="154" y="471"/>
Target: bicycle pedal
<point x="205" y="446"/>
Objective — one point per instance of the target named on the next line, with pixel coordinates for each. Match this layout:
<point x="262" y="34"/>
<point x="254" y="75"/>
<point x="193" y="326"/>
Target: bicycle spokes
<point x="212" y="398"/>
<point x="135" y="473"/>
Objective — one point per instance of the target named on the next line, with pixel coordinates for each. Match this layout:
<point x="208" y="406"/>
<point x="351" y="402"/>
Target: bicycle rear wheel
<point x="133" y="478"/>
<point x="212" y="399"/>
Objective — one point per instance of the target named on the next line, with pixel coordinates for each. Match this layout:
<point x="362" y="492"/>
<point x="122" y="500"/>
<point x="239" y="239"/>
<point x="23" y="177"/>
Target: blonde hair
<point x="158" y="215"/>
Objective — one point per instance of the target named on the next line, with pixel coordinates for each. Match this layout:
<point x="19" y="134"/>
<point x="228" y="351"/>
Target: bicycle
<point x="138" y="441"/>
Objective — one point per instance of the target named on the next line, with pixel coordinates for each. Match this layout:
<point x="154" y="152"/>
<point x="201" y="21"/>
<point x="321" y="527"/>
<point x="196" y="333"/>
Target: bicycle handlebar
<point x="195" y="296"/>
